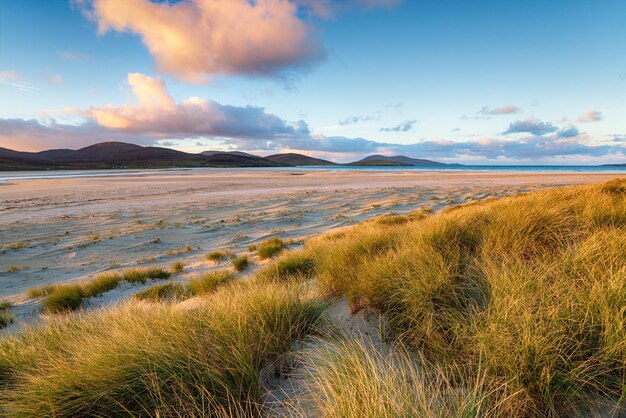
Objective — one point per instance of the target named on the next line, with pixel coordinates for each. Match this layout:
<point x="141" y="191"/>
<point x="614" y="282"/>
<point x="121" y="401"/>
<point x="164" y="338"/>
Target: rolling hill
<point x="399" y="160"/>
<point x="298" y="160"/>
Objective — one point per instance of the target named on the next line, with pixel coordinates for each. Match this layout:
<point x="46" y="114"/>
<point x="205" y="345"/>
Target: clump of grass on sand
<point x="209" y="282"/>
<point x="177" y="267"/>
<point x="523" y="294"/>
<point x="101" y="284"/>
<point x="64" y="298"/>
<point x="41" y="291"/>
<point x="241" y="263"/>
<point x="201" y="359"/>
<point x="292" y="265"/>
<point x="143" y="275"/>
<point x="163" y="292"/>
<point x="6" y="317"/>
<point x="218" y="256"/>
<point x="270" y="248"/>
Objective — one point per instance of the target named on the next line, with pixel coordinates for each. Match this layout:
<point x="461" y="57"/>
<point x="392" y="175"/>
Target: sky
<point x="468" y="81"/>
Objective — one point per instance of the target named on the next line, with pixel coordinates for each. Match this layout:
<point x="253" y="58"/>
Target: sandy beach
<point x="70" y="229"/>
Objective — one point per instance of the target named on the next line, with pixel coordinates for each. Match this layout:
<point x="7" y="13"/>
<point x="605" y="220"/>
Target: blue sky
<point x="469" y="81"/>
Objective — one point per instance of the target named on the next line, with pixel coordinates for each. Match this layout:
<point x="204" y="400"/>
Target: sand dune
<point x="58" y="230"/>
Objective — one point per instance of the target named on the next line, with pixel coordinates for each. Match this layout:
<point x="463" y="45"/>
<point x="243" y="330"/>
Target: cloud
<point x="504" y="110"/>
<point x="54" y="80"/>
<point x="329" y="8"/>
<point x="156" y="118"/>
<point x="192" y="39"/>
<point x="353" y="120"/>
<point x="590" y="116"/>
<point x="405" y="126"/>
<point x="569" y="132"/>
<point x="532" y="126"/>
<point x="156" y="113"/>
<point x="13" y="79"/>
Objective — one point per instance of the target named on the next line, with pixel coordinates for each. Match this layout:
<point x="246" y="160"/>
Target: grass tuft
<point x="64" y="298"/>
<point x="270" y="248"/>
<point x="6" y="317"/>
<point x="241" y="263"/>
<point x="177" y="267"/>
<point x="163" y="292"/>
<point x="209" y="282"/>
<point x="205" y="359"/>
<point x="143" y="275"/>
<point x="218" y="256"/>
<point x="101" y="284"/>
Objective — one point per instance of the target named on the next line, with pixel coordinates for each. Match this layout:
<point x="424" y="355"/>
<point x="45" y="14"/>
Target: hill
<point x="122" y="155"/>
<point x="377" y="163"/>
<point x="298" y="160"/>
<point x="399" y="159"/>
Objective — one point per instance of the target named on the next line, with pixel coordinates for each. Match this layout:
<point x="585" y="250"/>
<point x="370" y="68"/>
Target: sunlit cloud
<point x="590" y="116"/>
<point x="503" y="110"/>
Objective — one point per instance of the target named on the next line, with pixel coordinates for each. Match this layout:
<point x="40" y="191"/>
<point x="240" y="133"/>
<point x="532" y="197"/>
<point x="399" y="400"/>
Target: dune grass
<point x="270" y="248"/>
<point x="241" y="263"/>
<point x="163" y="292"/>
<point x="352" y="379"/>
<point x="41" y="291"/>
<point x="292" y="265"/>
<point x="527" y="290"/>
<point x="101" y="284"/>
<point x="221" y="255"/>
<point x="203" y="359"/>
<point x="209" y="282"/>
<point x="143" y="275"/>
<point x="6" y="317"/>
<point x="177" y="267"/>
<point x="64" y="298"/>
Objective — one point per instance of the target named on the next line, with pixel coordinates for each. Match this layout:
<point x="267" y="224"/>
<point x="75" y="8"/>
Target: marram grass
<point x="200" y="358"/>
<point x="527" y="290"/>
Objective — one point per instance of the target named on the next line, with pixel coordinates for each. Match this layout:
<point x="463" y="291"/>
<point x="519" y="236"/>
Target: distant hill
<point x="122" y="155"/>
<point x="395" y="160"/>
<point x="377" y="163"/>
<point x="298" y="160"/>
<point x="240" y="153"/>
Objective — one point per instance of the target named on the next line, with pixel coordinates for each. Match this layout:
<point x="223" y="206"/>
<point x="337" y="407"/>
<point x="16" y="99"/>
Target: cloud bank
<point x="156" y="117"/>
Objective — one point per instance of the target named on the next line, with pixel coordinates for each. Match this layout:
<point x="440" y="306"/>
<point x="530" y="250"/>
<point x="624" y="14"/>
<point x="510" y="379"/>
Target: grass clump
<point x="41" y="291"/>
<point x="241" y="263"/>
<point x="6" y="317"/>
<point x="157" y="360"/>
<point x="292" y="265"/>
<point x="177" y="267"/>
<point x="143" y="275"/>
<point x="270" y="248"/>
<point x="64" y="298"/>
<point x="526" y="290"/>
<point x="218" y="256"/>
<point x="209" y="282"/>
<point x="101" y="284"/>
<point x="163" y="292"/>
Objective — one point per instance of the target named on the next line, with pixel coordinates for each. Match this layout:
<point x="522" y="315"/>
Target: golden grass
<point x="136" y="359"/>
<point x="6" y="317"/>
<point x="209" y="282"/>
<point x="270" y="248"/>
<point x="218" y="256"/>
<point x="241" y="263"/>
<point x="529" y="290"/>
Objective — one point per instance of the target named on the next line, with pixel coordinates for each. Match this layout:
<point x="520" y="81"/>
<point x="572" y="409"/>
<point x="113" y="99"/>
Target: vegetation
<point x="101" y="284"/>
<point x="241" y="263"/>
<point x="6" y="317"/>
<point x="163" y="292"/>
<point x="64" y="298"/>
<point x="41" y="291"/>
<point x="157" y="360"/>
<point x="270" y="248"/>
<point x="209" y="282"/>
<point x="177" y="267"/>
<point x="218" y="256"/>
<point x="523" y="294"/>
<point x="512" y="307"/>
<point x="143" y="275"/>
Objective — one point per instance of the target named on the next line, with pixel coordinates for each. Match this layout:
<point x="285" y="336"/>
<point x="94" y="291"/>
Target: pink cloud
<point x="590" y="116"/>
<point x="193" y="39"/>
<point x="504" y="110"/>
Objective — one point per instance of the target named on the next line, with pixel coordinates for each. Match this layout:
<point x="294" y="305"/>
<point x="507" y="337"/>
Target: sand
<point x="63" y="230"/>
